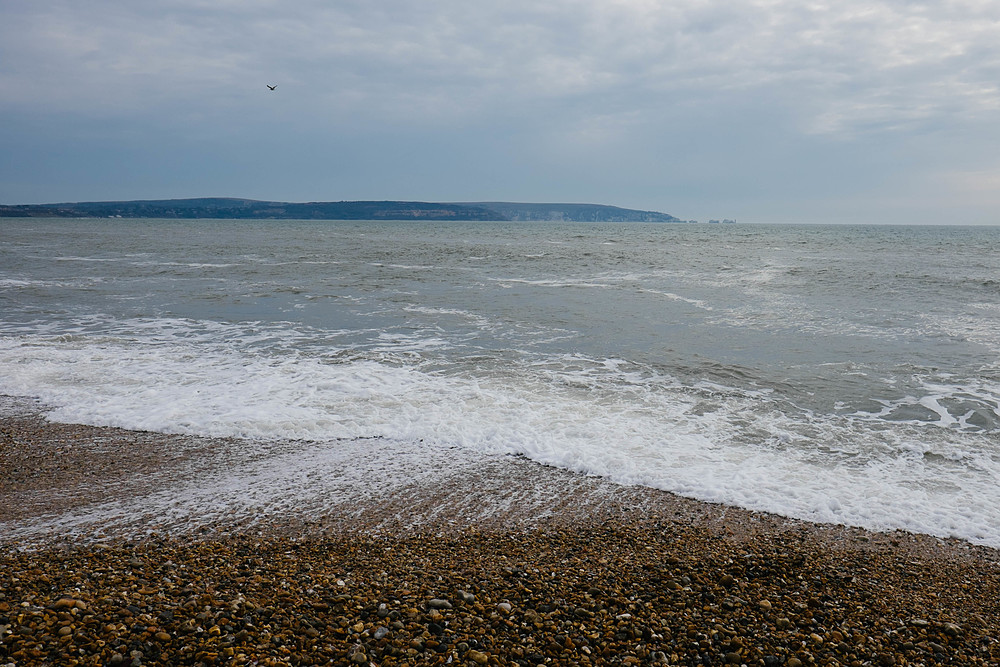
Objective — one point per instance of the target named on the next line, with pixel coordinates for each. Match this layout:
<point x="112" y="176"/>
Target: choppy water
<point x="838" y="374"/>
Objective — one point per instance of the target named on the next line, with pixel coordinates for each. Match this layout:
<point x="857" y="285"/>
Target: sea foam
<point x="606" y="417"/>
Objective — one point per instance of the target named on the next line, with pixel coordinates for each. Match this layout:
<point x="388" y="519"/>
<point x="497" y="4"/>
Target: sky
<point x="846" y="111"/>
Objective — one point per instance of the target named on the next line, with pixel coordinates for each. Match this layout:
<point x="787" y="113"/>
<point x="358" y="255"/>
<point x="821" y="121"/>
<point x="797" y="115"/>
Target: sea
<point x="837" y="374"/>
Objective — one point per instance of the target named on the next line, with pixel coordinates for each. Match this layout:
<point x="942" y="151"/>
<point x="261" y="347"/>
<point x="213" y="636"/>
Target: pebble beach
<point x="492" y="562"/>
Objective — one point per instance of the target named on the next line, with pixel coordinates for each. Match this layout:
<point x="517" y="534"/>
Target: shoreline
<point x="118" y="547"/>
<point x="78" y="483"/>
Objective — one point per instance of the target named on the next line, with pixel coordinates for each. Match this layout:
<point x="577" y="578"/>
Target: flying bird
<point x="270" y="87"/>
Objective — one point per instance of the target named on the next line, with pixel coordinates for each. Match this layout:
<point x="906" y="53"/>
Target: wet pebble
<point x="663" y="594"/>
<point x="439" y="604"/>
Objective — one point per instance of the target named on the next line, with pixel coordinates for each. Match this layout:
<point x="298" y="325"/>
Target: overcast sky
<point x="760" y="110"/>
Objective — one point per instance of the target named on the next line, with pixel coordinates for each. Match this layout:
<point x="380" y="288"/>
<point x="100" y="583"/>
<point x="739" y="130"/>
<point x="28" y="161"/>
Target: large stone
<point x="478" y="657"/>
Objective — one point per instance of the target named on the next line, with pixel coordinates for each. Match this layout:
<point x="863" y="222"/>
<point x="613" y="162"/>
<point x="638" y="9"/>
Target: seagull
<point x="270" y="87"/>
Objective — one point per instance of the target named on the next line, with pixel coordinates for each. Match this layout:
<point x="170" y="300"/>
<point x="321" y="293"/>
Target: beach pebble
<point x="952" y="630"/>
<point x="276" y="601"/>
<point x="478" y="657"/>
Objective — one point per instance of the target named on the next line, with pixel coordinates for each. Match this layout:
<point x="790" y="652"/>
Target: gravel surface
<point x="108" y="557"/>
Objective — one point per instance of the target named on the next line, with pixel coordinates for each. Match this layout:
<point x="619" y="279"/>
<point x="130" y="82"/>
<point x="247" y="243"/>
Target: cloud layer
<point x="768" y="108"/>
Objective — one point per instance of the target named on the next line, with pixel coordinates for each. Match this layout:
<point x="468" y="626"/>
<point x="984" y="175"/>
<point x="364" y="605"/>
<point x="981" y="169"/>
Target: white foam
<point x="190" y="265"/>
<point x="8" y="283"/>
<point x="605" y="417"/>
<point x="475" y="318"/>
<point x="549" y="282"/>
<point x="972" y="405"/>
<point x="698" y="303"/>
<point x="971" y="326"/>
<point x="407" y="267"/>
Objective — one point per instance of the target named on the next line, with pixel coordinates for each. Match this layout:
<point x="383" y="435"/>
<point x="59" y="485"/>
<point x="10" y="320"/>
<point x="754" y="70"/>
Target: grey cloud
<point x="860" y="62"/>
<point x="664" y="103"/>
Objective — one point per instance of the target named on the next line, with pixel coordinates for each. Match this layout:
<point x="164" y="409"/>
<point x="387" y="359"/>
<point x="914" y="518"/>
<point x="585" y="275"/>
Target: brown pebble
<point x="952" y="630"/>
<point x="478" y="657"/>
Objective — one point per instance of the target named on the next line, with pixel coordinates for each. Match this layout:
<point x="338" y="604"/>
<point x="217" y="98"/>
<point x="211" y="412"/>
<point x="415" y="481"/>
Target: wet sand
<point x="120" y="547"/>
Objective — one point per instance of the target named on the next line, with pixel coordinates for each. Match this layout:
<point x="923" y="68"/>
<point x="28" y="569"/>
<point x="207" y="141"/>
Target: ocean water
<point x="844" y="374"/>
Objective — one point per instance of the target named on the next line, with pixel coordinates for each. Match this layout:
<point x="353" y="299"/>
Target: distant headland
<point x="228" y="208"/>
